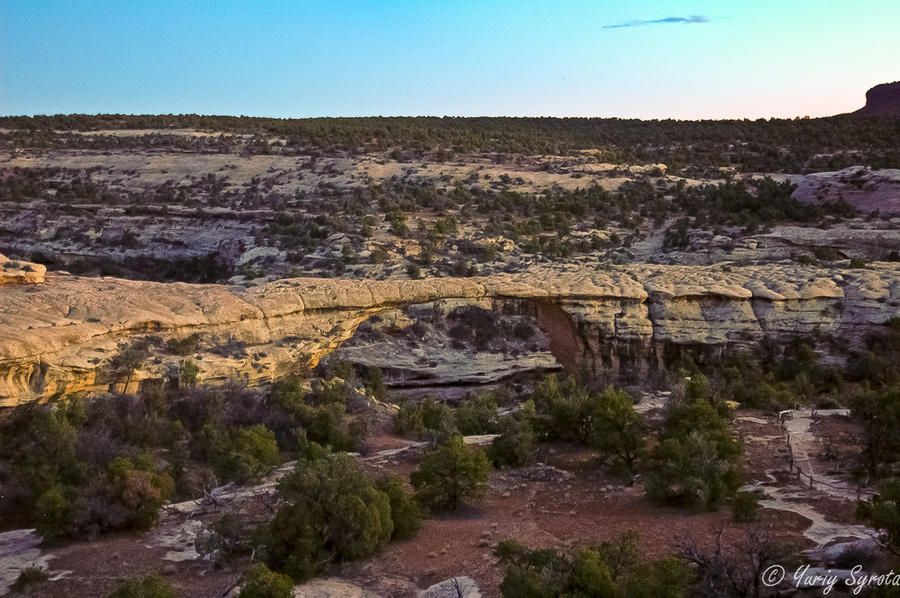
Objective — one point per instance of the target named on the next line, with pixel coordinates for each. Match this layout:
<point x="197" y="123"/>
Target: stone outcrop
<point x="16" y="272"/>
<point x="455" y="587"/>
<point x="60" y="337"/>
<point x="866" y="189"/>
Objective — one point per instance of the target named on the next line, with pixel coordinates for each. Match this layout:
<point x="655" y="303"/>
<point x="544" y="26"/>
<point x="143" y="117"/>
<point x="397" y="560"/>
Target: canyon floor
<point x="565" y="499"/>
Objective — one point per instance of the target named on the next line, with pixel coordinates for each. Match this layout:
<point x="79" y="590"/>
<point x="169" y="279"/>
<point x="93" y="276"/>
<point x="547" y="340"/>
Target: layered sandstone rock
<point x="60" y="337"/>
<point x="16" y="272"/>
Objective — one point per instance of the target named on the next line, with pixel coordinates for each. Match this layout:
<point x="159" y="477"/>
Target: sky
<point x="704" y="59"/>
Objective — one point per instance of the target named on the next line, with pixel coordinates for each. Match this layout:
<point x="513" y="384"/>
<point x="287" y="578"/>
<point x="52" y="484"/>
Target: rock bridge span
<point x="60" y="336"/>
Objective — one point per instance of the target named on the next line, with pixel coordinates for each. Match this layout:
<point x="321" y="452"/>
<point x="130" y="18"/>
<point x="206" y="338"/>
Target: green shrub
<point x="776" y="377"/>
<point x="606" y="420"/>
<point x="878" y="412"/>
<point x="409" y="421"/>
<point x="516" y="444"/>
<point x="695" y="464"/>
<point x="539" y="573"/>
<point x="619" y="430"/>
<point x="451" y="474"/>
<point x="54" y="510"/>
<point x="122" y="366"/>
<point x="610" y="570"/>
<point x="428" y="419"/>
<point x="228" y="538"/>
<point x="260" y="582"/>
<point x="189" y="372"/>
<point x="128" y="496"/>
<point x="565" y="409"/>
<point x="333" y="512"/>
<point x="320" y="412"/>
<point x="150" y="586"/>
<point x="29" y="577"/>
<point x="379" y="255"/>
<point x="477" y="415"/>
<point x="139" y="489"/>
<point x="374" y="383"/>
<point x="183" y="346"/>
<point x="66" y="487"/>
<point x="883" y="513"/>
<point x="245" y="456"/>
<point x="745" y="507"/>
<point x="445" y="226"/>
<point x="348" y="254"/>
<point x="343" y="370"/>
<point x="76" y="469"/>
<point x="398" y="224"/>
<point x="406" y="513"/>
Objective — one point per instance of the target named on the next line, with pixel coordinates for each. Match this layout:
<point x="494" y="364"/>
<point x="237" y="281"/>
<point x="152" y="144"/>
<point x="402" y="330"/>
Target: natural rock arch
<point x="59" y="337"/>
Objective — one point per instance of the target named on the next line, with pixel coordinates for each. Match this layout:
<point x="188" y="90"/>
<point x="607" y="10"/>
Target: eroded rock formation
<point x="16" y="272"/>
<point x="61" y="336"/>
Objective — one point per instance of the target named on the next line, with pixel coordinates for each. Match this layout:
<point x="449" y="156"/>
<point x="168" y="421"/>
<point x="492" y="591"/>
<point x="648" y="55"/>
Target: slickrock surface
<point x="59" y="337"/>
<point x="16" y="272"/>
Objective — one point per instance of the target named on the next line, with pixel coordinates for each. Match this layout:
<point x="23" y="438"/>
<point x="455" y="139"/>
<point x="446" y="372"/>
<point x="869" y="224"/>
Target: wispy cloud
<point x="667" y="20"/>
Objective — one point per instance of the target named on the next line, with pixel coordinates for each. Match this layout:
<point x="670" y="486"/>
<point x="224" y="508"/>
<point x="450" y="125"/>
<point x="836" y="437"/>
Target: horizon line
<point x="408" y="116"/>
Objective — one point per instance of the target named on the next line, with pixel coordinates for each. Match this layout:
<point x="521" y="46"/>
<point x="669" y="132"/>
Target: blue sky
<point x="296" y="58"/>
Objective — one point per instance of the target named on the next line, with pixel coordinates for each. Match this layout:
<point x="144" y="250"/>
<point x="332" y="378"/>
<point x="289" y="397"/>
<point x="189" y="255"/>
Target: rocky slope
<point x="63" y="335"/>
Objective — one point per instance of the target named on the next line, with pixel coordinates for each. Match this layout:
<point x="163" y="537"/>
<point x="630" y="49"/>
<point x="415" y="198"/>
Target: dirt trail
<point x="806" y="448"/>
<point x="792" y="491"/>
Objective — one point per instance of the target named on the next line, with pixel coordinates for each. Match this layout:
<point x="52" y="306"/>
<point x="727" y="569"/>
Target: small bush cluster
<point x="80" y="469"/>
<point x="259" y="581"/>
<point x="478" y="414"/>
<point x="62" y="481"/>
<point x="568" y="409"/>
<point x="150" y="586"/>
<point x="608" y="570"/>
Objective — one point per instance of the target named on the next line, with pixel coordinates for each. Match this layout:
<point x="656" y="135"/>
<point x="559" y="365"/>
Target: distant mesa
<point x="882" y="100"/>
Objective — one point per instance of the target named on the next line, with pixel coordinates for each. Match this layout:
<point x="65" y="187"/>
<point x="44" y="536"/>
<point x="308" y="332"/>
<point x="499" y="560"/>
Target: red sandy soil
<point x="588" y="508"/>
<point x="98" y="567"/>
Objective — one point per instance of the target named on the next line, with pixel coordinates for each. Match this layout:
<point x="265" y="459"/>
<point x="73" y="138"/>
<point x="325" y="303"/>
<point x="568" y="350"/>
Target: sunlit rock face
<point x="18" y="272"/>
<point x="63" y="335"/>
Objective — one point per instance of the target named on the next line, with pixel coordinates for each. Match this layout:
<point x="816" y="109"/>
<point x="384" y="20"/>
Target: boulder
<point x="331" y="588"/>
<point x="455" y="587"/>
<point x="18" y="272"/>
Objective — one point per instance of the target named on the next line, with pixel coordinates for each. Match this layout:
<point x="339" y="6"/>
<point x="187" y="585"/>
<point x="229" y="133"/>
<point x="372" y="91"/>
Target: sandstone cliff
<point x="59" y="337"/>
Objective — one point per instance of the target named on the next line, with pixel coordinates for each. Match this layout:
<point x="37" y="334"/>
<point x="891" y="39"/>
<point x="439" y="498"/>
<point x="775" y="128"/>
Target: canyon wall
<point x="63" y="335"/>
